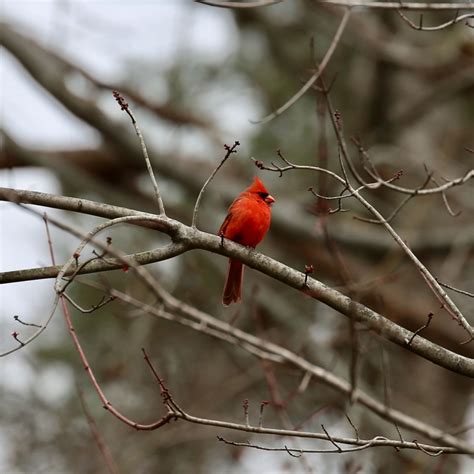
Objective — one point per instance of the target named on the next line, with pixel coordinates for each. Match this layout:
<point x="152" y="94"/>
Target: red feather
<point x="247" y="222"/>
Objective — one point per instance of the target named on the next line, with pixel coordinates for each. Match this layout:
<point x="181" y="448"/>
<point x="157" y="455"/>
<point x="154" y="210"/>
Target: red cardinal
<point x="247" y="222"/>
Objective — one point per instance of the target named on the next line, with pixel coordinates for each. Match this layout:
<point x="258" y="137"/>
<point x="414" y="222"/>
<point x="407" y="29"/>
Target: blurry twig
<point x="315" y="76"/>
<point x="99" y="439"/>
<point x="371" y="170"/>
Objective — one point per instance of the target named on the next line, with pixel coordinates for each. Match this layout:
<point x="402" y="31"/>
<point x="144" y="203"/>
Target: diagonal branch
<point x="187" y="238"/>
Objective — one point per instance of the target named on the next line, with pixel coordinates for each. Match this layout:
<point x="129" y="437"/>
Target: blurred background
<point x="197" y="77"/>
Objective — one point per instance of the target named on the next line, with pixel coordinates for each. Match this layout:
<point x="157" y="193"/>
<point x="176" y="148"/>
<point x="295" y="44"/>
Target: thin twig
<point x="353" y="426"/>
<point x="93" y="308"/>
<point x="361" y="445"/>
<point x="50" y="315"/>
<point x="263" y="404"/>
<point x="422" y="328"/>
<point x="125" y="107"/>
<point x="16" y="336"/>
<point x="17" y="319"/>
<point x="331" y="439"/>
<point x="229" y="151"/>
<point x="448" y="207"/>
<point x="457" y="290"/>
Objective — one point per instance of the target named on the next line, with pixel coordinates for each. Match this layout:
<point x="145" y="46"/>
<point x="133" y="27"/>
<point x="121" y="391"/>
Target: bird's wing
<point x="224" y="225"/>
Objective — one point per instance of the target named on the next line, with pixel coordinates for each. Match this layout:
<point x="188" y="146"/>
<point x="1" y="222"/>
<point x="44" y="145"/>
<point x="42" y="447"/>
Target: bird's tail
<point x="233" y="284"/>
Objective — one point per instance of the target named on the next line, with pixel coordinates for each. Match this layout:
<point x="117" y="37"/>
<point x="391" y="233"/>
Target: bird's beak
<point x="269" y="200"/>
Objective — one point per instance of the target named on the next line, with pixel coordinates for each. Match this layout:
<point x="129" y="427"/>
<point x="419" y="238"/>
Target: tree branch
<point x="187" y="238"/>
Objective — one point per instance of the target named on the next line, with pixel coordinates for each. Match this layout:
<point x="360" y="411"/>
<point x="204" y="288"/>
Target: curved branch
<point x="442" y="26"/>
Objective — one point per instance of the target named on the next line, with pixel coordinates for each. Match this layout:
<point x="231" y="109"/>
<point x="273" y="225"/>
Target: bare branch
<point x="187" y="238"/>
<point x="457" y="18"/>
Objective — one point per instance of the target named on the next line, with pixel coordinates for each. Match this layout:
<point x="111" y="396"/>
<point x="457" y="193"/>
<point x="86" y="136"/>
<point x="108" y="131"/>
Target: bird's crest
<point x="257" y="186"/>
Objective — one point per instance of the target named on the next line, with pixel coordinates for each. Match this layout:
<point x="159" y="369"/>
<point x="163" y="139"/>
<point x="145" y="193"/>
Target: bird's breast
<point x="249" y="223"/>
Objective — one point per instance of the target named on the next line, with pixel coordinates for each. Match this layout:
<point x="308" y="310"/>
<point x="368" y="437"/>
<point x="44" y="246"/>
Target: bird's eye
<point x="263" y="195"/>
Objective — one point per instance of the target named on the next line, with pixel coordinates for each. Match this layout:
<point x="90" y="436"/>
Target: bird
<point x="247" y="221"/>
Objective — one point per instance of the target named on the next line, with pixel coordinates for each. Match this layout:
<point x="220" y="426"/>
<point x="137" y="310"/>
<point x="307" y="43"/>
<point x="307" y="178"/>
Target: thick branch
<point x="189" y="238"/>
